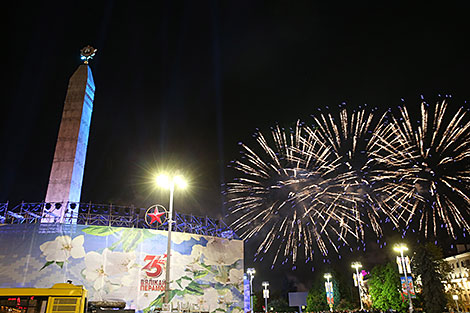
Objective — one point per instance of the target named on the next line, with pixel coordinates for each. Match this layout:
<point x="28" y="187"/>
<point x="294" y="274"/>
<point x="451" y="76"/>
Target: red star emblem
<point x="155" y="215"/>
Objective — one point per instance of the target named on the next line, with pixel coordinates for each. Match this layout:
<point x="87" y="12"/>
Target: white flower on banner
<point x="236" y="277"/>
<point x="182" y="273"/>
<point x="129" y="286"/>
<point x="62" y="248"/>
<point x="96" y="269"/>
<point x="219" y="252"/>
<point x="197" y="300"/>
<point x="212" y="299"/>
<point x="226" y="298"/>
<point x="215" y="298"/>
<point x="131" y="278"/>
<point x="119" y="262"/>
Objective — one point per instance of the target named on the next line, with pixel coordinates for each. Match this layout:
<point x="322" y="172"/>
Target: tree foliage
<point x="280" y="305"/>
<point x="384" y="288"/>
<point x="428" y="264"/>
<point x="316" y="298"/>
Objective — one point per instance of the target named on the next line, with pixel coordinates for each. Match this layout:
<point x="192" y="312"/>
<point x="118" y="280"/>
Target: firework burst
<point x="427" y="168"/>
<point x="271" y="199"/>
<point x="317" y="186"/>
<point x="309" y="187"/>
<point x="355" y="139"/>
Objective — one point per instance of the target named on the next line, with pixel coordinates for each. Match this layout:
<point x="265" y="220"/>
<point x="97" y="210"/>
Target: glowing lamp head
<point x="167" y="182"/>
<point x="163" y="181"/>
<point x="180" y="182"/>
<point x="265" y="284"/>
<point x="400" y="247"/>
<point x="250" y="271"/>
<point x="327" y="275"/>
<point x="455" y="297"/>
<point x="356" y="265"/>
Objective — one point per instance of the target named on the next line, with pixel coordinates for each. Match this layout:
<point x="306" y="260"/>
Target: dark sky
<point x="180" y="83"/>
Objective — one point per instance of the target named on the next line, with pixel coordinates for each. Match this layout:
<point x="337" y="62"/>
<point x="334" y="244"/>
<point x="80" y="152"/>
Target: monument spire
<point x="65" y="180"/>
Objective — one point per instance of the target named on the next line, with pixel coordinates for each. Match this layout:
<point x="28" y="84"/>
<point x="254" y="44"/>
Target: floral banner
<point x="125" y="263"/>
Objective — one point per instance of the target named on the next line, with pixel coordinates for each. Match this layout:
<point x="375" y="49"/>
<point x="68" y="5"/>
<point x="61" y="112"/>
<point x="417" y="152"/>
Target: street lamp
<point x="456" y="298"/>
<point x="168" y="182"/>
<point x="401" y="248"/>
<point x="357" y="266"/>
<point x="265" y="295"/>
<point x="329" y="289"/>
<point x="251" y="272"/>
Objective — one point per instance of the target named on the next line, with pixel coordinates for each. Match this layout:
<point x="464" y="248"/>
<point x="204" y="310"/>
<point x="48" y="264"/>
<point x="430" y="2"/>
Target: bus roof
<point x="61" y="289"/>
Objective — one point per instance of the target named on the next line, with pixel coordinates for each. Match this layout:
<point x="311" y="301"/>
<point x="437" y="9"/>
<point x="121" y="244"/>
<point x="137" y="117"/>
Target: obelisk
<point x="65" y="181"/>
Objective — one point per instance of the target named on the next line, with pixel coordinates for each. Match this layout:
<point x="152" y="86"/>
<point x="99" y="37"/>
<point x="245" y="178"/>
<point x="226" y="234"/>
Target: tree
<point x="337" y="296"/>
<point x="344" y="283"/>
<point x="429" y="265"/>
<point x="345" y="304"/>
<point x="280" y="305"/>
<point x="258" y="301"/>
<point x="316" y="298"/>
<point x="384" y="288"/>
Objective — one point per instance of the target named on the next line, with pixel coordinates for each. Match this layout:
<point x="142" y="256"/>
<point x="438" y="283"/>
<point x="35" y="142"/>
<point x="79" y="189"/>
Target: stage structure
<point x="113" y="215"/>
<point x="114" y="253"/>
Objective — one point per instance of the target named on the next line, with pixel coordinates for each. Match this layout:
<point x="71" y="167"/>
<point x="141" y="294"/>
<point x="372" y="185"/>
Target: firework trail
<point x="427" y="168"/>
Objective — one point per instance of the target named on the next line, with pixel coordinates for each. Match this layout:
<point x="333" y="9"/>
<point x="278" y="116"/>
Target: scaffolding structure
<point x="111" y="215"/>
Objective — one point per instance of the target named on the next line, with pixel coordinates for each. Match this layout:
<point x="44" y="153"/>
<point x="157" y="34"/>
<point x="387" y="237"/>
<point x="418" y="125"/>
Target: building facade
<point x="458" y="282"/>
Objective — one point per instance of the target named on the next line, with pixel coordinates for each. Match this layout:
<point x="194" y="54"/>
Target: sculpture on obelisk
<point x="65" y="180"/>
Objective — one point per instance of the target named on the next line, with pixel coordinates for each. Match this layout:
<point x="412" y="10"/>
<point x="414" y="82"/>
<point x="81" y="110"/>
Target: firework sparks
<point x="355" y="139"/>
<point x="427" y="165"/>
<point x="305" y="190"/>
<point x="270" y="198"/>
<point x="314" y="185"/>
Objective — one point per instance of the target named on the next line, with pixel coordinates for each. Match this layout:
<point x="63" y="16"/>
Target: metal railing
<point x="109" y="215"/>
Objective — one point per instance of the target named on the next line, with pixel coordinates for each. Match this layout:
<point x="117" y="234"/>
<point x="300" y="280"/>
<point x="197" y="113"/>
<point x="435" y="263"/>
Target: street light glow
<point x="265" y="284"/>
<point x="163" y="181"/>
<point x="401" y="247"/>
<point x="180" y="181"/>
<point x="356" y="265"/>
<point x="251" y="272"/>
<point x="327" y="275"/>
<point x="455" y="297"/>
<point x="167" y="182"/>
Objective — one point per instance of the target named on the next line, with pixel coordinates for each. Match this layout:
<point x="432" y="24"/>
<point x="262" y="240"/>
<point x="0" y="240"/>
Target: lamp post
<point x="357" y="266"/>
<point x="329" y="289"/>
<point x="400" y="248"/>
<point x="265" y="295"/>
<point x="251" y="272"/>
<point x="169" y="183"/>
<point x="456" y="298"/>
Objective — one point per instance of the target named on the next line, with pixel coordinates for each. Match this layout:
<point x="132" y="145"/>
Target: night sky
<point x="180" y="83"/>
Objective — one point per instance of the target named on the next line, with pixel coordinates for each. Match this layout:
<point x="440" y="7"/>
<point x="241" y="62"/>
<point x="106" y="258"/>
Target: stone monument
<point x="65" y="181"/>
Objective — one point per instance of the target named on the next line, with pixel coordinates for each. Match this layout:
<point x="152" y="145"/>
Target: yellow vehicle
<point x="61" y="298"/>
